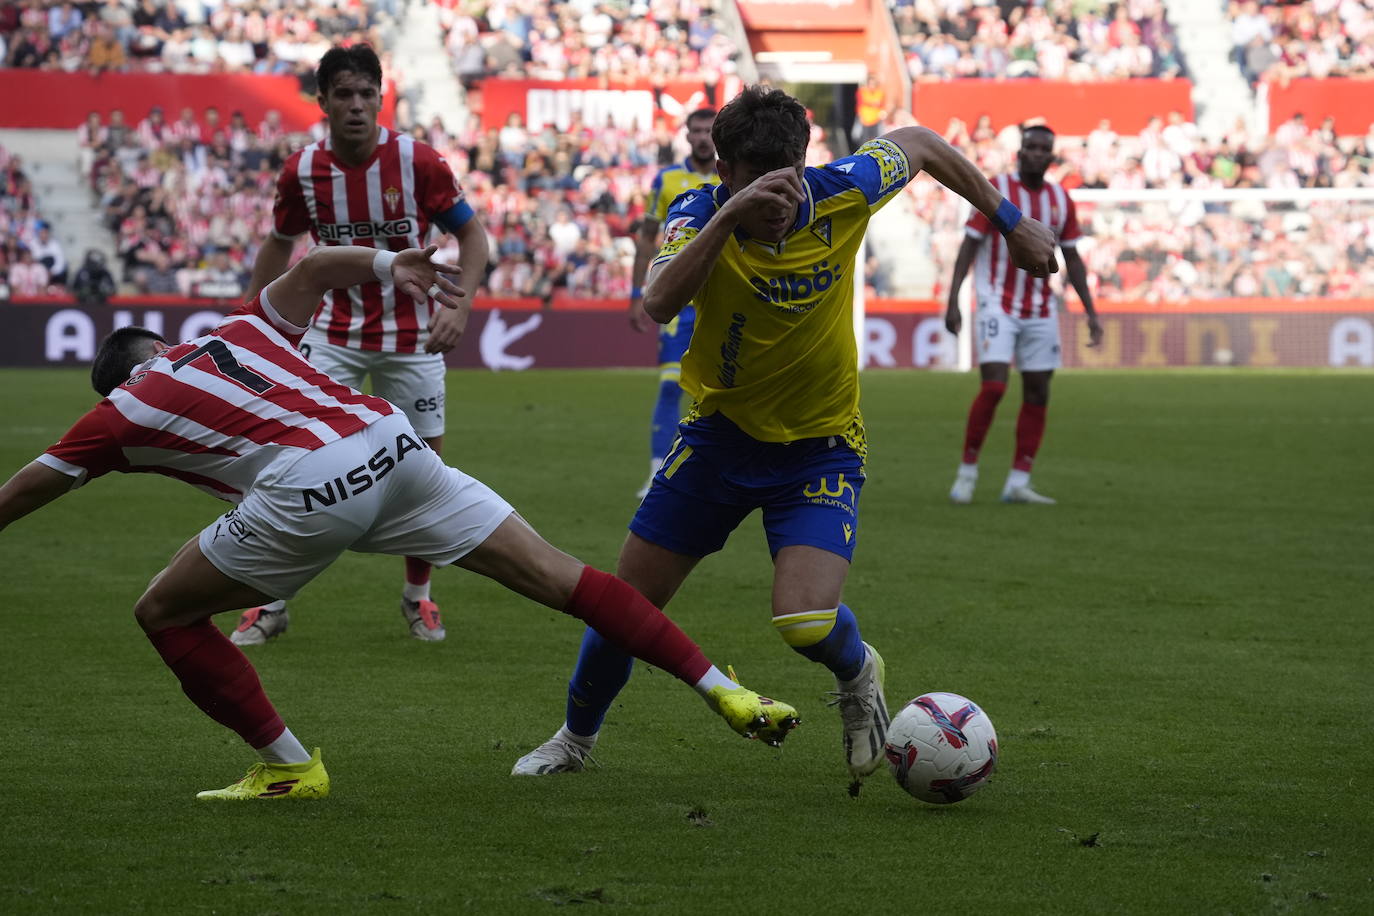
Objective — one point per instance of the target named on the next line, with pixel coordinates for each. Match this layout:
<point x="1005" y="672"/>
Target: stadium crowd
<point x="1277" y="42"/>
<point x="185" y="36"/>
<point x="536" y="39"/>
<point x="1079" y="40"/>
<point x="1178" y="250"/>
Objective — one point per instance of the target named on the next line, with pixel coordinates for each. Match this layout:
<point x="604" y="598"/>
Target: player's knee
<point x="151" y="611"/>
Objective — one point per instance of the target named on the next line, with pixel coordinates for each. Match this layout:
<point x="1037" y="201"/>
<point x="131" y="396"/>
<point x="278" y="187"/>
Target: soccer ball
<point x="941" y="748"/>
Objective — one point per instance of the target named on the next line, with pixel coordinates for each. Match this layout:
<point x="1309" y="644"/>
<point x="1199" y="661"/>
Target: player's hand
<point x="777" y="191"/>
<point x="446" y="326"/>
<point x="954" y="321"/>
<point x="1094" y="331"/>
<point x="416" y="274"/>
<point x="639" y="319"/>
<point x="1031" y="246"/>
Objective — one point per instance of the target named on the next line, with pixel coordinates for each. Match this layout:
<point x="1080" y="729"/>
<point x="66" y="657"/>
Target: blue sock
<point x="667" y="412"/>
<point x="841" y="649"/>
<point x="602" y="672"/>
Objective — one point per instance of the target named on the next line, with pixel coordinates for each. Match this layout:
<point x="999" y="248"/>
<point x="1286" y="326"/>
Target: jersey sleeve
<point x="290" y="217"/>
<point x="879" y="169"/>
<point x="87" y="450"/>
<point x="1072" y="231"/>
<point x="978" y="226"/>
<point x="260" y="307"/>
<point x="685" y="219"/>
<point x="437" y="191"/>
<point x="658" y="201"/>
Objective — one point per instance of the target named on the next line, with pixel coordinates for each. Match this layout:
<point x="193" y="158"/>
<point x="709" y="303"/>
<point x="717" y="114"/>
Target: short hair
<point x="359" y="59"/>
<point x="1030" y="127"/>
<point x="763" y="127"/>
<point x="708" y="114"/>
<point x="117" y="356"/>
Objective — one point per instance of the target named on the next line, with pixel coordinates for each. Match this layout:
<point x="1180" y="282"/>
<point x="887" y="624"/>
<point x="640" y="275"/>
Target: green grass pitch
<point x="1179" y="660"/>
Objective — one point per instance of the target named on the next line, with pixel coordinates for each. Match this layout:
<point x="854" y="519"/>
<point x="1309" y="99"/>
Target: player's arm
<point x="968" y="250"/>
<point x="273" y="256"/>
<point x="646" y="244"/>
<point x="1030" y="243"/>
<point x="447" y="325"/>
<point x="674" y="282"/>
<point x="296" y="294"/>
<point x="32" y="488"/>
<point x="1078" y="277"/>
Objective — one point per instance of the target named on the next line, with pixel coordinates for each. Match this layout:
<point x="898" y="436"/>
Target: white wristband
<point x="381" y="266"/>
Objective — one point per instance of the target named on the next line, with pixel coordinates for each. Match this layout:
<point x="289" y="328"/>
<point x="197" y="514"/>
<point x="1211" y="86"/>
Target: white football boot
<point x="1024" y="494"/>
<point x="961" y="494"/>
<point x="257" y="625"/>
<point x="864" y="713"/>
<point x="557" y="755"/>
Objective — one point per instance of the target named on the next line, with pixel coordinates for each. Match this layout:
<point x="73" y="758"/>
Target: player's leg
<point x="1038" y="355"/>
<point x="673" y="340"/>
<point x="415" y="382"/>
<point x="259" y="624"/>
<point x="994" y="340"/>
<point x="517" y="557"/>
<point x="812" y="529"/>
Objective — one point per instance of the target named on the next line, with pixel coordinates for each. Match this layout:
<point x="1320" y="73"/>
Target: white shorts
<point x="1031" y="343"/>
<point x="381" y="490"/>
<point x="413" y="382"/>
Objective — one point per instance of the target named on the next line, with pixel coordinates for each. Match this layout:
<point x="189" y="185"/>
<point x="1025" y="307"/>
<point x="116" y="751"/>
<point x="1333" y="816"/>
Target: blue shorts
<point x="674" y="336"/>
<point x="716" y="474"/>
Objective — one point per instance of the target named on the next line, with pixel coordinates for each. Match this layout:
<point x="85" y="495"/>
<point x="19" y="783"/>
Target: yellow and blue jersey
<point x="773" y="349"/>
<point x="671" y="183"/>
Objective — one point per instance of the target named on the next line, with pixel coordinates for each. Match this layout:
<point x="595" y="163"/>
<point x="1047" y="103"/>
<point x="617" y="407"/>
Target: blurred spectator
<point x="48" y="252"/>
<point x="27" y="277"/>
<point x="1309" y="38"/>
<point x="93" y="284"/>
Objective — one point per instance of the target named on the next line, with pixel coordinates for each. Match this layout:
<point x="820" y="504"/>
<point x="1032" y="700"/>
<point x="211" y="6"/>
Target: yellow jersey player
<point x="696" y="171"/>
<point x="768" y="256"/>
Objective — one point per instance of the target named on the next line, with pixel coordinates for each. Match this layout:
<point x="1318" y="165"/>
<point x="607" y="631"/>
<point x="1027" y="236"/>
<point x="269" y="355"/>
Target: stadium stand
<point x="1278" y="42"/>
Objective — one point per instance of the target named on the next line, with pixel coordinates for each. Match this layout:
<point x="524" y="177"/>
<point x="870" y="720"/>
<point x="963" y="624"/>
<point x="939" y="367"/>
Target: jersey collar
<point x="805" y="213"/>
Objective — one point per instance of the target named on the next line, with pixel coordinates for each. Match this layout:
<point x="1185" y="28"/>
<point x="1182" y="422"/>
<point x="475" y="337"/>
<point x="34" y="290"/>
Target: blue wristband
<point x="636" y="292"/>
<point x="1006" y="217"/>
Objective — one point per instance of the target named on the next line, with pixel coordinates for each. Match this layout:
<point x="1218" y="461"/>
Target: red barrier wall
<point x="57" y="100"/>
<point x="1347" y="100"/>
<point x="1072" y="109"/>
<point x="500" y="338"/>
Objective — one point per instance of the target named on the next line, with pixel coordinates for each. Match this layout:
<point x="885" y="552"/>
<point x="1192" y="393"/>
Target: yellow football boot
<point x="276" y="780"/>
<point x="751" y="715"/>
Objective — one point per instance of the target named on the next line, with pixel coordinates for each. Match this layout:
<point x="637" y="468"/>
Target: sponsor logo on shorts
<point x="231" y="526"/>
<point x="435" y="403"/>
<point x="361" y="478"/>
<point x="839" y="495"/>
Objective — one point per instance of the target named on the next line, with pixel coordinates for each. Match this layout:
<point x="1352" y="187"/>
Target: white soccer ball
<point x="941" y="748"/>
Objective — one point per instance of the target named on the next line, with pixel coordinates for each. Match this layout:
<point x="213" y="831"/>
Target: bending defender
<point x="768" y="258"/>
<point x="315" y="468"/>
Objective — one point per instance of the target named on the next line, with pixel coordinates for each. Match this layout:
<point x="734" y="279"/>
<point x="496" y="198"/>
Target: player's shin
<point x="602" y="672"/>
<point x="830" y="637"/>
<point x="980" y="416"/>
<point x="1030" y="431"/>
<point x="220" y="680"/>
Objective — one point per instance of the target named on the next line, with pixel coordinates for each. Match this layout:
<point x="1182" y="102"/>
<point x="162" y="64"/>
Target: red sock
<point x="1030" y="429"/>
<point x="980" y="418"/>
<point x="625" y="617"/>
<point x="417" y="571"/>
<point x="219" y="679"/>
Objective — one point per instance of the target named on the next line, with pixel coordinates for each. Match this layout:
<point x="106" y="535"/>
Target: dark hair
<point x="701" y="113"/>
<point x="117" y="356"/>
<point x="763" y="127"/>
<point x="1030" y="127"/>
<point x="359" y="59"/>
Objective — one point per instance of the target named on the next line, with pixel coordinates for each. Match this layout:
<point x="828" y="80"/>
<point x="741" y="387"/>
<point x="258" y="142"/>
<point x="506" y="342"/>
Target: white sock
<point x="586" y="742"/>
<point x="968" y="470"/>
<point x="1018" y="479"/>
<point x="286" y="749"/>
<point x="416" y="592"/>
<point x="713" y="678"/>
<point x="275" y="607"/>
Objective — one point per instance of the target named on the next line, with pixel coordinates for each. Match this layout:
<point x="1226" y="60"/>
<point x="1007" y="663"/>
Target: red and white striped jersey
<point x="995" y="279"/>
<point x="387" y="202"/>
<point x="217" y="410"/>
